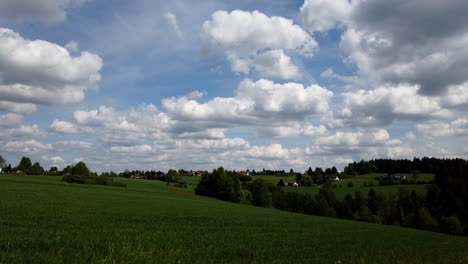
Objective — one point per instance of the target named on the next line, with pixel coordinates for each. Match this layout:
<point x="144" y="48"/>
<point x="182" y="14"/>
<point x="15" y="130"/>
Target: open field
<point x="45" y="221"/>
<point x="275" y="179"/>
<point x="420" y="177"/>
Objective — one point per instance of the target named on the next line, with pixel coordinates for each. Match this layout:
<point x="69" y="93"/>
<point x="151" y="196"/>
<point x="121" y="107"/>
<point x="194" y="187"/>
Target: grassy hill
<point x="43" y="220"/>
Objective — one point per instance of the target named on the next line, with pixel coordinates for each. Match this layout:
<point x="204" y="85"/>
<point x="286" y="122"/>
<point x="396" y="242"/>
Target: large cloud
<point x="244" y="35"/>
<point x="323" y="15"/>
<point x="421" y="42"/>
<point x="45" y="10"/>
<point x="384" y="105"/>
<point x="40" y="72"/>
<point x="256" y="104"/>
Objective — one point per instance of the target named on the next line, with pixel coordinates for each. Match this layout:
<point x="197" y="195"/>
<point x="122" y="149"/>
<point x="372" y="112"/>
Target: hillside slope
<point x="45" y="221"/>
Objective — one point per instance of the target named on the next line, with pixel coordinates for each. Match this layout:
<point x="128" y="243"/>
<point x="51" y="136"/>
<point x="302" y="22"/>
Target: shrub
<point x="451" y="225"/>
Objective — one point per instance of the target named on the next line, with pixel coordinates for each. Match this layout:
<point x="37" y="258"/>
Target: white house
<point x="333" y="178"/>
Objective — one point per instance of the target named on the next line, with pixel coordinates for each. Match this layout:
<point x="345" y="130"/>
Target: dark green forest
<point x="442" y="209"/>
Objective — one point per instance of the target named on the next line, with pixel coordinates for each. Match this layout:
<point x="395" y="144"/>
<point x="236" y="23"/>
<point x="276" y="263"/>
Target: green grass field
<point x="420" y="177"/>
<point x="43" y="220"/>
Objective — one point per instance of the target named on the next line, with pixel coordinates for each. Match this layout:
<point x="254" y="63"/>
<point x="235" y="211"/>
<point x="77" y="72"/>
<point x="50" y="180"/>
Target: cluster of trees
<point x="317" y="176"/>
<point x="25" y="166"/>
<point x="79" y="173"/>
<point x="171" y="175"/>
<point x="221" y="184"/>
<point x="423" y="165"/>
<point x="82" y="175"/>
<point x="272" y="172"/>
<point x="442" y="209"/>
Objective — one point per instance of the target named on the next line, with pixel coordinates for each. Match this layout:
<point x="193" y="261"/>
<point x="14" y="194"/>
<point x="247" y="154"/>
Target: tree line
<point x="78" y="173"/>
<point x="441" y="209"/>
<point x="422" y="165"/>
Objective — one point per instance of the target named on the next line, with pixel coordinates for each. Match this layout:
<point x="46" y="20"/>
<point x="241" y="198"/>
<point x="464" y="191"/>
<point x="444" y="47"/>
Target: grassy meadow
<point x="43" y="220"/>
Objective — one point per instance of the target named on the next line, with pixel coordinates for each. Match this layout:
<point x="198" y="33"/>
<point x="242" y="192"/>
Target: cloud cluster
<point x="40" y="72"/>
<point x="254" y="40"/>
<point x="262" y="102"/>
<point x="420" y="43"/>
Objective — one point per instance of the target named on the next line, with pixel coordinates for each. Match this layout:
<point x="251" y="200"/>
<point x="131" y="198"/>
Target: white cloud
<point x="40" y="72"/>
<point x="72" y="46"/>
<point x="385" y="104"/>
<point x="22" y="131"/>
<point x="68" y="145"/>
<point x="172" y="20"/>
<point x="63" y="127"/>
<point x="249" y="32"/>
<point x="438" y="129"/>
<point x="28" y="146"/>
<point x="293" y="130"/>
<point x="323" y="15"/>
<point x="245" y="35"/>
<point x="416" y="43"/>
<point x="275" y="63"/>
<point x="10" y="120"/>
<point x="141" y="149"/>
<point x="359" y="138"/>
<point x="17" y="107"/>
<point x="261" y="102"/>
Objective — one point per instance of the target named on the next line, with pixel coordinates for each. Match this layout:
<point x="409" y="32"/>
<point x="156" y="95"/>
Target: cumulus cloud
<point x="17" y="107"/>
<point x="28" y="146"/>
<point x="275" y="63"/>
<point x="40" y="72"/>
<point x="140" y="149"/>
<point x="44" y="10"/>
<point x="68" y="145"/>
<point x="293" y="130"/>
<point x="323" y="15"/>
<point x="458" y="127"/>
<point x="63" y="127"/>
<point x="354" y="139"/>
<point x="72" y="46"/>
<point x="244" y="35"/>
<point x="249" y="32"/>
<point x="10" y="120"/>
<point x="420" y="43"/>
<point x="257" y="102"/>
<point x="22" y="131"/>
<point x="385" y="104"/>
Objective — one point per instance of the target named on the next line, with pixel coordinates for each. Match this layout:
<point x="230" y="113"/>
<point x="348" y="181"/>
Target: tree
<point x="2" y="161"/>
<point x="36" y="169"/>
<point x="24" y="165"/>
<point x="80" y="169"/>
<point x="261" y="195"/>
<point x="451" y="225"/>
<point x="280" y="183"/>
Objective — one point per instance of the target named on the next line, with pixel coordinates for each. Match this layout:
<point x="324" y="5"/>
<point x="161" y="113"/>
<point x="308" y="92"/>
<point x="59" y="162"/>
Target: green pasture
<point x="43" y="220"/>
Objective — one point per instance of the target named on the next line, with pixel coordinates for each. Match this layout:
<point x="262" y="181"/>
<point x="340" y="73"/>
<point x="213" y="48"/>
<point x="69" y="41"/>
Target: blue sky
<point x="240" y="84"/>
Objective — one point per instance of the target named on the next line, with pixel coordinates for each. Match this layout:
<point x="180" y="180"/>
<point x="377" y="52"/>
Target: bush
<point x="451" y="225"/>
<point x="220" y="184"/>
<point x="350" y="184"/>
<point x="80" y="174"/>
<point x="426" y="221"/>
